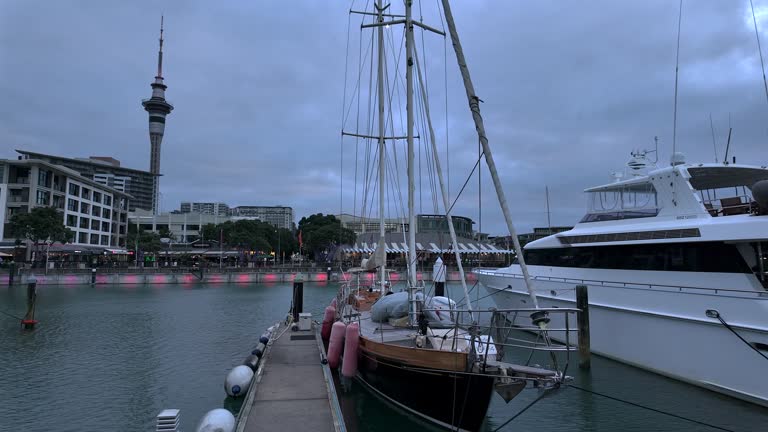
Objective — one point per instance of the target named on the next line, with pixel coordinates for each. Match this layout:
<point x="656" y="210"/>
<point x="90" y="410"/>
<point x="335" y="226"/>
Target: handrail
<point x="616" y="284"/>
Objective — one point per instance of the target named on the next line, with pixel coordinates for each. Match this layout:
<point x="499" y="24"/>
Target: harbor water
<point x="109" y="357"/>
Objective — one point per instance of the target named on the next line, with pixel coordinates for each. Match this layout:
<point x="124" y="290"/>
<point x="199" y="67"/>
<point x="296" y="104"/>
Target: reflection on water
<point x="112" y="357"/>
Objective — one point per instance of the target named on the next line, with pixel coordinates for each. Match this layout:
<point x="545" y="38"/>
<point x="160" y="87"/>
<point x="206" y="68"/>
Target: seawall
<point x="140" y="278"/>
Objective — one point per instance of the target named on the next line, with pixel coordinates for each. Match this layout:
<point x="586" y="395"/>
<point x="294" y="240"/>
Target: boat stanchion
<point x="582" y="318"/>
<point x="29" y="321"/>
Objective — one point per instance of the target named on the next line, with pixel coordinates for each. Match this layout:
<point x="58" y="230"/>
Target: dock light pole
<point x="278" y="246"/>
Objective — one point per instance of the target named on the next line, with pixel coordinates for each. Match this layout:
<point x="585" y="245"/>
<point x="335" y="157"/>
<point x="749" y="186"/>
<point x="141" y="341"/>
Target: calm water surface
<point x="111" y="357"/>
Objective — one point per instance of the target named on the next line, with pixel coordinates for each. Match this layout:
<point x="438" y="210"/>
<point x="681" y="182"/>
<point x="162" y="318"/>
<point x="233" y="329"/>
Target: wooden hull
<point x="442" y="395"/>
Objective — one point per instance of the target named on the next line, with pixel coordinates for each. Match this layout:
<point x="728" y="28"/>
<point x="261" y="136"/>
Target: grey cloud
<point x="569" y="89"/>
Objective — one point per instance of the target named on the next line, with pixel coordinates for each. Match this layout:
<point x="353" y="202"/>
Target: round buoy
<point x="259" y="350"/>
<point x="351" y="341"/>
<point x="252" y="361"/>
<point x="217" y="420"/>
<point x="336" y="344"/>
<point x="238" y="380"/>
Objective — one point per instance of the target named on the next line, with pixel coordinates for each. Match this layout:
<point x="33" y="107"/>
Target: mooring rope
<point x="12" y="316"/>
<point x="541" y="396"/>
<point x="716" y="314"/>
<point x="649" y="408"/>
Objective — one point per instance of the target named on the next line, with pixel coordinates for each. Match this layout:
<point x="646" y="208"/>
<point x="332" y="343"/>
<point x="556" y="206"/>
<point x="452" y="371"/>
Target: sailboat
<point x="418" y="350"/>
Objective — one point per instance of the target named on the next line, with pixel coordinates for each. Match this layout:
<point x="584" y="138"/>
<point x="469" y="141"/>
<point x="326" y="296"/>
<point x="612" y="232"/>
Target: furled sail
<point x="377" y="259"/>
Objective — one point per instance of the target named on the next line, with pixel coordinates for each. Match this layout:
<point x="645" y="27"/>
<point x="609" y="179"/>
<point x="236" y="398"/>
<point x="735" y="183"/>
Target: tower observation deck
<point x="158" y="108"/>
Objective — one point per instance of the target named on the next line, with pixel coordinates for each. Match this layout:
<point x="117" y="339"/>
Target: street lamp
<point x="278" y="246"/>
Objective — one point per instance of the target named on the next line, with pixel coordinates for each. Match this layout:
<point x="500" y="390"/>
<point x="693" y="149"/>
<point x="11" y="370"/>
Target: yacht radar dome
<point x="677" y="159"/>
<point x="760" y="194"/>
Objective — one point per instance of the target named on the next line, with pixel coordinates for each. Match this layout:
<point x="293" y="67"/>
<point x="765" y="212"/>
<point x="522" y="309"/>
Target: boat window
<point x="622" y="202"/>
<point x="695" y="257"/>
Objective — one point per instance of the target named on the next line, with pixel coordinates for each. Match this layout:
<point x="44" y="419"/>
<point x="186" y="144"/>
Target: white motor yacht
<point x="675" y="263"/>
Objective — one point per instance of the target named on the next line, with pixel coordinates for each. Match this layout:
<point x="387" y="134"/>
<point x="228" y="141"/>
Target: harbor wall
<point x="139" y="278"/>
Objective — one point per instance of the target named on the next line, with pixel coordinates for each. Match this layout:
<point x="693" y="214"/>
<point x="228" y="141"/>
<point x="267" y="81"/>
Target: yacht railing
<point x="498" y="325"/>
<point x="683" y="289"/>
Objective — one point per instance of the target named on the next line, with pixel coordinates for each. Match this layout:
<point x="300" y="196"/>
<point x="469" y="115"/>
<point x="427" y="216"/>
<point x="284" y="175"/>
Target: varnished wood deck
<point x="292" y="389"/>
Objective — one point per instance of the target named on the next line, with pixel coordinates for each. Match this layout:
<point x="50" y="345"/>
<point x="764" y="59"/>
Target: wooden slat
<point x="419" y="357"/>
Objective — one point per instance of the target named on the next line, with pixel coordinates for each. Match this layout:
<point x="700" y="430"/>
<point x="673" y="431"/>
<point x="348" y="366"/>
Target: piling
<point x="582" y="318"/>
<point x="438" y="276"/>
<point x="298" y="297"/>
<point x="93" y="276"/>
<point x="28" y="323"/>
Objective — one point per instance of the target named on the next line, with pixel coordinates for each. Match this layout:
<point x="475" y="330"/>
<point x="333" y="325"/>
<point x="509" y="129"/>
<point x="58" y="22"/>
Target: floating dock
<point x="293" y="387"/>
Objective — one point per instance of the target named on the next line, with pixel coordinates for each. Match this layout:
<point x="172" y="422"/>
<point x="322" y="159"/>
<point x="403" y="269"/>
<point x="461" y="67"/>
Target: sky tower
<point x="158" y="108"/>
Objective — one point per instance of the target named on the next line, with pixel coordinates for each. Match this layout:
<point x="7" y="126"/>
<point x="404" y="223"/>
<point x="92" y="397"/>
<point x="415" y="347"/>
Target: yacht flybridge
<point x="675" y="262"/>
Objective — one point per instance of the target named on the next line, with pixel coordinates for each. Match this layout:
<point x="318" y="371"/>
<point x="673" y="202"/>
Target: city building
<point x="426" y="223"/>
<point x="97" y="214"/>
<point x="136" y="183"/>
<point x="538" y="233"/>
<point x="279" y="216"/>
<point x="184" y="227"/>
<point x="158" y="108"/>
<point x="209" y="208"/>
<point x="361" y="225"/>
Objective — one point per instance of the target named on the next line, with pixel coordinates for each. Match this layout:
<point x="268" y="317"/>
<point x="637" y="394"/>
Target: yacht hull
<point x="447" y="398"/>
<point x="661" y="329"/>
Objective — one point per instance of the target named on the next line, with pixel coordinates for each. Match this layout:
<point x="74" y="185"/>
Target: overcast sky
<point x="569" y="89"/>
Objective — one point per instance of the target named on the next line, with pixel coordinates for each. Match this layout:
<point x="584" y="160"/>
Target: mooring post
<point x="582" y="318"/>
<point x="298" y="297"/>
<point x="11" y="272"/>
<point x="29" y="319"/>
<point x="438" y="277"/>
<point x="93" y="276"/>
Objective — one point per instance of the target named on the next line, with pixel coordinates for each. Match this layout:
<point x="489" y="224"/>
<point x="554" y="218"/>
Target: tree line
<point x="317" y="236"/>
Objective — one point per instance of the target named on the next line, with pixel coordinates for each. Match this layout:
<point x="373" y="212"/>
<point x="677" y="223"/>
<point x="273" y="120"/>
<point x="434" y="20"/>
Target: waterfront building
<point x="184" y="227"/>
<point x="209" y="208"/>
<point x="158" y="108"/>
<point x="97" y="214"/>
<point x="429" y="223"/>
<point x="425" y="223"/>
<point x="537" y="233"/>
<point x="361" y="225"/>
<point x="136" y="183"/>
<point x="279" y="216"/>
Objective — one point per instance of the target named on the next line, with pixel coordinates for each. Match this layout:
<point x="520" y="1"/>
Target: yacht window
<point x="694" y="257"/>
<point x="629" y="201"/>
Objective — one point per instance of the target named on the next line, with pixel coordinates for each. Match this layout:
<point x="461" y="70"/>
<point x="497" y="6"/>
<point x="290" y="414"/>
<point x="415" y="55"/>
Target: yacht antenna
<point x="727" y="146"/>
<point x="656" y="149"/>
<point x="759" y="49"/>
<point x="474" y="106"/>
<point x="677" y="69"/>
<point x="712" y="126"/>
<point x="549" y="223"/>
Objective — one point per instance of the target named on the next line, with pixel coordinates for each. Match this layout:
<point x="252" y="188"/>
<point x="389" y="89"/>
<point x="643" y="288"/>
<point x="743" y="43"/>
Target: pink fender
<point x="336" y="344"/>
<point x="328" y="318"/>
<point x="351" y="342"/>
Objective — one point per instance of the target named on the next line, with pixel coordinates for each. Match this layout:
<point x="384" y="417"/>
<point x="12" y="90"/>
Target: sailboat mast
<point x="382" y="153"/>
<point x="474" y="106"/>
<point x="409" y="113"/>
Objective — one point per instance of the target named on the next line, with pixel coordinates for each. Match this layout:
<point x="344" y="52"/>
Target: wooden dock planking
<point x="291" y="389"/>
